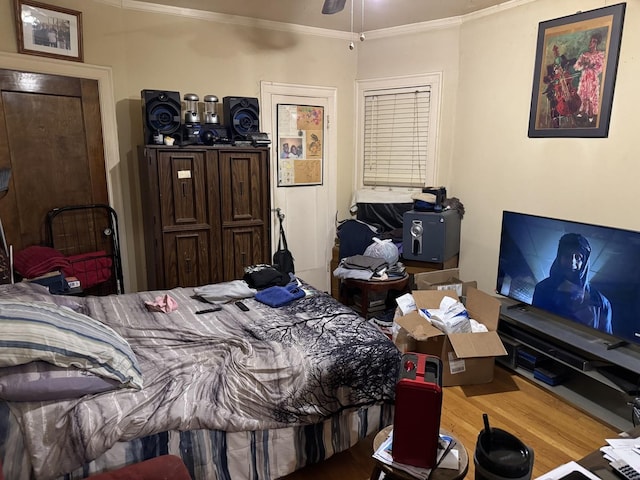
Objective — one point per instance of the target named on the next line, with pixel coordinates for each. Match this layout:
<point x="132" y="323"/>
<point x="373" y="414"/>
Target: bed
<point x="255" y="394"/>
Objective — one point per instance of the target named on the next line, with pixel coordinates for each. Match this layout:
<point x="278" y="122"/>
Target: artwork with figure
<point x="573" y="78"/>
<point x="575" y="71"/>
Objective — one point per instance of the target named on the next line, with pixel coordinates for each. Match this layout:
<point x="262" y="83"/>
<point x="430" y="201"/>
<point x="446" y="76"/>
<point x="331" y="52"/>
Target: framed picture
<point x="300" y="145"/>
<point x="575" y="74"/>
<point x="48" y="31"/>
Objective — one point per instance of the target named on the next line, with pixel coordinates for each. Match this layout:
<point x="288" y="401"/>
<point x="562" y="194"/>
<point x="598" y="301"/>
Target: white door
<point x="310" y="209"/>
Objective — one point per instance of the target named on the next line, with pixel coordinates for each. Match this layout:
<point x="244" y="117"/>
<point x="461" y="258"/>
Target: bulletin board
<point x="300" y="145"/>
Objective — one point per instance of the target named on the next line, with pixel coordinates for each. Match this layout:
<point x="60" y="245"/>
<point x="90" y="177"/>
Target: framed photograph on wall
<point x="48" y="31"/>
<point x="575" y="73"/>
<point x="300" y="145"/>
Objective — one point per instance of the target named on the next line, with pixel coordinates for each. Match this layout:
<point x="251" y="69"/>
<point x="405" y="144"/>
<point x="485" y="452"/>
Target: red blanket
<point x="90" y="268"/>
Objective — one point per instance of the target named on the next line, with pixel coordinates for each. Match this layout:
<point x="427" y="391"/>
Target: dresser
<point x="206" y="213"/>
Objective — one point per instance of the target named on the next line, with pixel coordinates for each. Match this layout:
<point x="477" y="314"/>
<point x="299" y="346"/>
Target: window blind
<point x="396" y="128"/>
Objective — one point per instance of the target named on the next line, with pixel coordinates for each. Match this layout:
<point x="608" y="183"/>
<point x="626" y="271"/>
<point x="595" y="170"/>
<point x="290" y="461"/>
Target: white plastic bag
<point x="385" y="249"/>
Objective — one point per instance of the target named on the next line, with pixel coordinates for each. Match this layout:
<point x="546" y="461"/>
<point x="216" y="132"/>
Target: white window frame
<point x="366" y="88"/>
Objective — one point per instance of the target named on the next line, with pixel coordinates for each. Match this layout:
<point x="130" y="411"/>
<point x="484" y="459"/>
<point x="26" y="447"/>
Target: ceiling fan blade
<point x="333" y="6"/>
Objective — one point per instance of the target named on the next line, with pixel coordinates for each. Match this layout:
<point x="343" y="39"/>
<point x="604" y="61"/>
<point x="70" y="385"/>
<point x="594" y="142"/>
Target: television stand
<point x="625" y="380"/>
<point x="600" y="376"/>
<point x="520" y="305"/>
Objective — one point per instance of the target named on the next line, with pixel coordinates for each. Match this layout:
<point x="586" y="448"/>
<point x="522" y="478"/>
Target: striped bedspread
<point x="253" y="394"/>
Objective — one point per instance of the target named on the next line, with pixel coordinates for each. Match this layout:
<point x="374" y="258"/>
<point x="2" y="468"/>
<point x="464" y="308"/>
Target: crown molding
<point x="307" y="30"/>
<point x="227" y="19"/>
<point x="445" y="22"/>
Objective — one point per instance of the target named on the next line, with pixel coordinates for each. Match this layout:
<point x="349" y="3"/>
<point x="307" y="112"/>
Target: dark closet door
<point x="51" y="137"/>
<point x="244" y="193"/>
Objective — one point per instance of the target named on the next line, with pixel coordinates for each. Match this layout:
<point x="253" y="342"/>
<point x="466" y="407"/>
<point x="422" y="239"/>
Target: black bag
<point x="283" y="259"/>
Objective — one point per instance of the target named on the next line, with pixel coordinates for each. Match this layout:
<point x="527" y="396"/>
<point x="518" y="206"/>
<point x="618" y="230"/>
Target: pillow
<point x="34" y="292"/>
<point x="41" y="381"/>
<point x="43" y="331"/>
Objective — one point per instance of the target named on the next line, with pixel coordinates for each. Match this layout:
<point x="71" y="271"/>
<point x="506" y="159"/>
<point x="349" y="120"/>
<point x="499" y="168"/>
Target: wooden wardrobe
<point x="206" y="213"/>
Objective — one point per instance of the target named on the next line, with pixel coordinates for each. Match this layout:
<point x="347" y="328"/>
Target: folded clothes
<point x="90" y="268"/>
<point x="364" y="262"/>
<point x="37" y="260"/>
<point x="225" y="292"/>
<point x="280" y="296"/>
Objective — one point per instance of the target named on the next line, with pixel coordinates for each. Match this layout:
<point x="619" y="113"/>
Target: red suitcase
<point x="416" y="425"/>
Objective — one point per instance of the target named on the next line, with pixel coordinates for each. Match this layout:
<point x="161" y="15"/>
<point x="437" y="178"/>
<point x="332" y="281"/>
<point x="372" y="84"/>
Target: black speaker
<point x="241" y="116"/>
<point x="161" y="111"/>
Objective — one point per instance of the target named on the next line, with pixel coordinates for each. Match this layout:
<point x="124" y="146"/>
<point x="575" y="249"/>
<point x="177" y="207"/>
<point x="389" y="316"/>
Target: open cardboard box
<point x="448" y="279"/>
<point x="467" y="358"/>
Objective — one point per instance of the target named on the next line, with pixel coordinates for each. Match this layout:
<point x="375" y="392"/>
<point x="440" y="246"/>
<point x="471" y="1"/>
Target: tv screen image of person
<point x="586" y="273"/>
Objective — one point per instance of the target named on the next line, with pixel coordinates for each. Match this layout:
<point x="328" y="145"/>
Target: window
<point x="397" y="132"/>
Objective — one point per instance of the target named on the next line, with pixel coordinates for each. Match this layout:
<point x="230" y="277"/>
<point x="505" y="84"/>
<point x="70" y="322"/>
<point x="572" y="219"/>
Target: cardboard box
<point x="467" y="358"/>
<point x="448" y="279"/>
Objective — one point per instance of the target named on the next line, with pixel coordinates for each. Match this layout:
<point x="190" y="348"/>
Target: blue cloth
<point x="280" y="296"/>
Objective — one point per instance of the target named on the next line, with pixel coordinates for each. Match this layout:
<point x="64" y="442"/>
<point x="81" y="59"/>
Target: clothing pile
<point x="362" y="267"/>
<point x="263" y="282"/>
<point x="51" y="268"/>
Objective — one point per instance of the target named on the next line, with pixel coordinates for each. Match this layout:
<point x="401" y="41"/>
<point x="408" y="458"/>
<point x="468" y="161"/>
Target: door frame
<point x="103" y="75"/>
<point x="268" y="90"/>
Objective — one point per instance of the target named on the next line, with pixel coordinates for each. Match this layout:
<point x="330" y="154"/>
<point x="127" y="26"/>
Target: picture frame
<point x="575" y="72"/>
<point x="300" y="145"/>
<point x="49" y="31"/>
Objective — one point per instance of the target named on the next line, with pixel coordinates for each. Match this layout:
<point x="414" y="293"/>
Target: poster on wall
<point x="575" y="70"/>
<point x="300" y="144"/>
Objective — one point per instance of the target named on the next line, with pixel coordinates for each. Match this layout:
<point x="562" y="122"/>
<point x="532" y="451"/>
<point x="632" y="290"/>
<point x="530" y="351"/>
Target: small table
<point x="400" y="285"/>
<point x="596" y="463"/>
<point x="437" y="474"/>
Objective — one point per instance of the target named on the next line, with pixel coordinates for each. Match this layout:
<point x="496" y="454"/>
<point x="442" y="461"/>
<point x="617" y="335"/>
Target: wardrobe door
<point x="245" y="211"/>
<point x="181" y="217"/>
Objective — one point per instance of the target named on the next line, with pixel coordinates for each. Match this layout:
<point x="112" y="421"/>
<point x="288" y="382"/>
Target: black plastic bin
<point x="499" y="455"/>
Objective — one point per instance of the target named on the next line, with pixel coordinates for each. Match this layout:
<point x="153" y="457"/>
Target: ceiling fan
<point x="333" y="6"/>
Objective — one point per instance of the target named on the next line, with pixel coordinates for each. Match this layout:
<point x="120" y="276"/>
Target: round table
<point x="400" y="285"/>
<point x="437" y="474"/>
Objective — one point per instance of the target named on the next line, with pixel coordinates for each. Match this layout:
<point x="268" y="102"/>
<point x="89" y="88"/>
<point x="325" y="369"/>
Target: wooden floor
<point x="553" y="429"/>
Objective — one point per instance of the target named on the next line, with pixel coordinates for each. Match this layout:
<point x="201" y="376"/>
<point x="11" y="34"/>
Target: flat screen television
<point x="588" y="274"/>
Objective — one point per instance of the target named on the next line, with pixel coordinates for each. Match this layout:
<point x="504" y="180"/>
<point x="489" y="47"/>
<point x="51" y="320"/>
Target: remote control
<point x="209" y="310"/>
<point x="624" y="470"/>
<point x="242" y="306"/>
